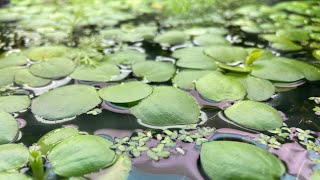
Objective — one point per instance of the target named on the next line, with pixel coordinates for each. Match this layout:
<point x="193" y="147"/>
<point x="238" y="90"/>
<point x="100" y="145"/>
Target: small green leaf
<point x="253" y="56"/>
<point x="152" y="155"/>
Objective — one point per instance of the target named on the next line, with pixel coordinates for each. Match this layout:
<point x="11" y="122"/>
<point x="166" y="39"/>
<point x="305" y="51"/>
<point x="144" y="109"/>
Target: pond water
<point x="162" y="41"/>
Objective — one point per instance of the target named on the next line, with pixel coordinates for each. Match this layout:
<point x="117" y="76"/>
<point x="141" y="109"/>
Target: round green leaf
<point x="154" y="71"/>
<point x="276" y="70"/>
<point x="79" y="155"/>
<point x="286" y="46"/>
<point x="7" y="75"/>
<point x="65" y="102"/>
<point x="194" y="58"/>
<point x="310" y="72"/>
<point x="257" y="89"/>
<point x="53" y="68"/>
<point x="119" y="171"/>
<point x="210" y="39"/>
<point x="218" y="87"/>
<point x="226" y="54"/>
<point x="293" y="34"/>
<point x="13" y="156"/>
<point x="8" y="129"/>
<point x="119" y="93"/>
<point x="101" y="73"/>
<point x="186" y="78"/>
<point x="171" y="38"/>
<point x="54" y="137"/>
<point x="11" y="104"/>
<point x="222" y="160"/>
<point x="46" y="52"/>
<point x="254" y="115"/>
<point x="126" y="57"/>
<point x="13" y="176"/>
<point x="24" y="76"/>
<point x="167" y="106"/>
<point x="13" y="60"/>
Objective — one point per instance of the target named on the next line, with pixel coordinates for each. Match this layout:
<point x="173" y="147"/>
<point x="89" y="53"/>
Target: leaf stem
<point x="36" y="164"/>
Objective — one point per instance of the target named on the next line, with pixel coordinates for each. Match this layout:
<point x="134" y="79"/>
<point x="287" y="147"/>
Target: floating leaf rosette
<point x="8" y="129"/>
<point x="236" y="160"/>
<point x="14" y="103"/>
<point x="154" y="71"/>
<point x="79" y="155"/>
<point x="119" y="93"/>
<point x="167" y="106"/>
<point x="218" y="87"/>
<point x="65" y="102"/>
<point x="13" y="156"/>
<point x="254" y="115"/>
<point x="100" y="73"/>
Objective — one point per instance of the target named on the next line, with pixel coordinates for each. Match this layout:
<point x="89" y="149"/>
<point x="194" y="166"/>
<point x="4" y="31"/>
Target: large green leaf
<point x="194" y="58"/>
<point x="7" y="75"/>
<point x="126" y="57"/>
<point x="53" y="68"/>
<point x="13" y="104"/>
<point x="222" y="160"/>
<point x="186" y="78"/>
<point x="218" y="87"/>
<point x="13" y="60"/>
<point x="54" y="137"/>
<point x="120" y="93"/>
<point x="254" y="115"/>
<point x="171" y="38"/>
<point x="276" y="70"/>
<point x="310" y="72"/>
<point x="46" y="52"/>
<point x="154" y="71"/>
<point x="293" y="34"/>
<point x="13" y="156"/>
<point x="79" y="155"/>
<point x="119" y="171"/>
<point x="226" y="54"/>
<point x="167" y="106"/>
<point x="24" y="76"/>
<point x="100" y="73"/>
<point x="210" y="39"/>
<point x="65" y="102"/>
<point x="8" y="129"/>
<point x="14" y="176"/>
<point x="257" y="89"/>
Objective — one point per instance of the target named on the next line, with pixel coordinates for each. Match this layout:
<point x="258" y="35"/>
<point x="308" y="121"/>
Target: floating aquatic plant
<point x="218" y="161"/>
<point x="65" y="102"/>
